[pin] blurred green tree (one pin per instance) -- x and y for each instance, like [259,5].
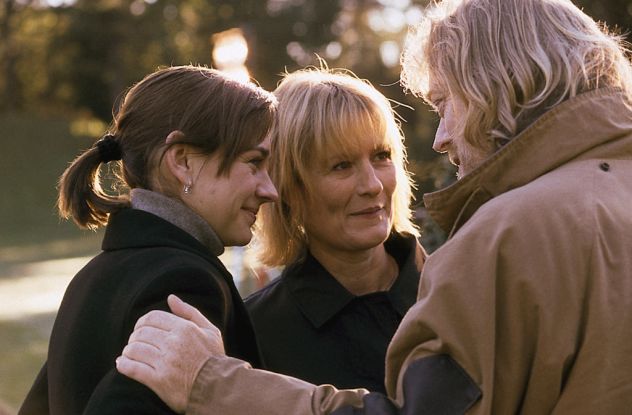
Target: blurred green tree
[76,59]
[9,55]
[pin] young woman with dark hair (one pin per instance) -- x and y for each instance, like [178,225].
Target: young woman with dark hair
[191,145]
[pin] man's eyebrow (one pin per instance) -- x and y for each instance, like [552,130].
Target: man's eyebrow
[433,95]
[435,100]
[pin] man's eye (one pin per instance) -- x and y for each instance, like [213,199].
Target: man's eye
[439,106]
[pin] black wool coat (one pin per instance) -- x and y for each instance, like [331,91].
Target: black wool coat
[310,327]
[144,259]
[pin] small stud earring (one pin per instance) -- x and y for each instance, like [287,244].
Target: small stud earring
[187,188]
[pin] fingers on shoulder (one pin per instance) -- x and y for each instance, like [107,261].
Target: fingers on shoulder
[137,370]
[157,319]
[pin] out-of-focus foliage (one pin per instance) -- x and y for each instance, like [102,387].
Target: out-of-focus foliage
[74,58]
[79,57]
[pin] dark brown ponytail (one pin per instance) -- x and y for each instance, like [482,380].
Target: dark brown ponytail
[81,196]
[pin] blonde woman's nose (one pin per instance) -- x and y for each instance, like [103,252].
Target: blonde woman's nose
[369,181]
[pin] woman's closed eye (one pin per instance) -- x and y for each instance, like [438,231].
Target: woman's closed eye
[256,164]
[257,158]
[256,161]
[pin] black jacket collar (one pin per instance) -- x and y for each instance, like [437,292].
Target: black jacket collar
[132,228]
[320,296]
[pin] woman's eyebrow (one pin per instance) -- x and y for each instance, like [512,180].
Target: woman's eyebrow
[264,151]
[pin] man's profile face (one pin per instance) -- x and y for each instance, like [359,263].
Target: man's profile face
[449,137]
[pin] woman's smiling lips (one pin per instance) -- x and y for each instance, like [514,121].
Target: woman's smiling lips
[369,212]
[252,212]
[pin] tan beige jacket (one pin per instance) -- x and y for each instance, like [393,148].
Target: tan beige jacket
[526,309]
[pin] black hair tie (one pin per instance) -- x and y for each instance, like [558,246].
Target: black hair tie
[109,148]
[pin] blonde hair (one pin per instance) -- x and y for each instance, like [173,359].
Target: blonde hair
[320,110]
[511,60]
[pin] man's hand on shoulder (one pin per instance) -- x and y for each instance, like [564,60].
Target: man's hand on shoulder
[166,351]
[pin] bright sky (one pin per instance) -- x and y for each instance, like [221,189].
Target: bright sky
[57,3]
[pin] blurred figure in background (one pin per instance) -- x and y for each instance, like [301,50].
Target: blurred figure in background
[341,228]
[193,147]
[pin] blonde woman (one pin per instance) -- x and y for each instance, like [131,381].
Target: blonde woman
[342,230]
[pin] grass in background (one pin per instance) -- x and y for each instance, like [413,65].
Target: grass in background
[35,152]
[23,344]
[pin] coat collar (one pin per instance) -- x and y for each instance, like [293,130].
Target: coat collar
[133,228]
[320,296]
[174,211]
[566,132]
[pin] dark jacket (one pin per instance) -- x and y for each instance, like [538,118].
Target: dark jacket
[144,259]
[310,327]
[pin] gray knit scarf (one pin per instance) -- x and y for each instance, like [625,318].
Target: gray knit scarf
[177,213]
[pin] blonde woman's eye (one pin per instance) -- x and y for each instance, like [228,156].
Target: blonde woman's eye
[383,155]
[342,165]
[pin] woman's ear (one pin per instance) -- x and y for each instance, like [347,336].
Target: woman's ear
[174,137]
[177,159]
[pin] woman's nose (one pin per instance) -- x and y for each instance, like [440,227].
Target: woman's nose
[369,182]
[266,190]
[442,138]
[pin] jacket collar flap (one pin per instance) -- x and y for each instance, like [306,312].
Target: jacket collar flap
[320,296]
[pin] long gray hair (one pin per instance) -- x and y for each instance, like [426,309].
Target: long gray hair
[511,60]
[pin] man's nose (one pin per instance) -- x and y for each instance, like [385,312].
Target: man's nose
[442,138]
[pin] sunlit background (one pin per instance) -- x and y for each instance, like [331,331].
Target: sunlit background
[230,51]
[64,63]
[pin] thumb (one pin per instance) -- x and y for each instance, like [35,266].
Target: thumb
[187,312]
